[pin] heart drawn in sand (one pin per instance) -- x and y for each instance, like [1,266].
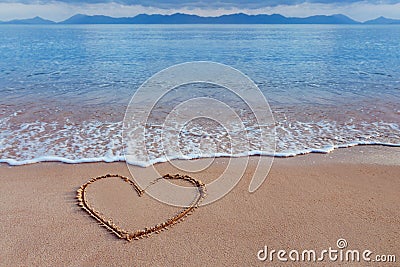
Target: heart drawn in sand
[147,231]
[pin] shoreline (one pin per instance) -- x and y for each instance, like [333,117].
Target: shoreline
[115,159]
[306,202]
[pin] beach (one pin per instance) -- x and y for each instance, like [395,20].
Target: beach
[79,102]
[306,202]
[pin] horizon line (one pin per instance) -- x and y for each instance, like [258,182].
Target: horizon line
[195,15]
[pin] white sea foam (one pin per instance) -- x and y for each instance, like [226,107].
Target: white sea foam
[95,141]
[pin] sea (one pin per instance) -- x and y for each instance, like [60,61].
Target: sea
[65,90]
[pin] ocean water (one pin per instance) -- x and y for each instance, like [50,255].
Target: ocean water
[64,89]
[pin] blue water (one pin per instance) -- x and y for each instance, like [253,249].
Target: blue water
[64,89]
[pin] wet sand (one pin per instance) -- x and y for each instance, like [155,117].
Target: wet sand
[307,202]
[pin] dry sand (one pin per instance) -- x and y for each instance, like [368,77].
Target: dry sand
[307,202]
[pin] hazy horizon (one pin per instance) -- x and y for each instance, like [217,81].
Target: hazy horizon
[84,14]
[60,10]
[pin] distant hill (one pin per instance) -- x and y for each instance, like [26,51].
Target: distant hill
[322,19]
[180,18]
[97,19]
[35,20]
[383,20]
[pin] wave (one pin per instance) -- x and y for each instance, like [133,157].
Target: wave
[106,159]
[70,142]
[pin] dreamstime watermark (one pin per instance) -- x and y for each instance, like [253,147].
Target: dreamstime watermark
[198,110]
[340,253]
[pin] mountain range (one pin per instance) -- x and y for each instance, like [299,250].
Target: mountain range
[180,18]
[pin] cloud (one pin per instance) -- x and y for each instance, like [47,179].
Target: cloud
[203,4]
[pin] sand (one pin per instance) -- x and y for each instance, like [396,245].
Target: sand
[307,202]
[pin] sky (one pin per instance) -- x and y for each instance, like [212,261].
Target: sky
[59,10]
